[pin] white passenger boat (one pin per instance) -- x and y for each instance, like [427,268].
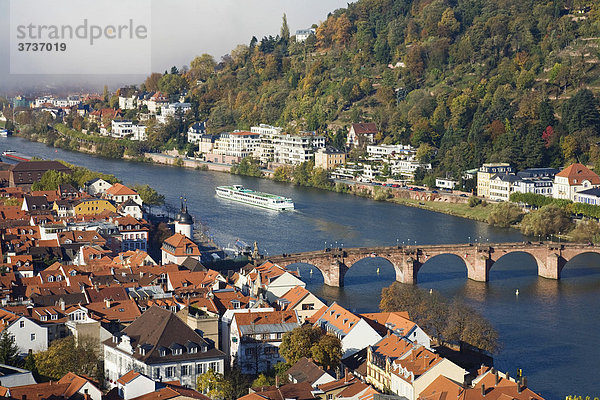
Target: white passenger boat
[259,199]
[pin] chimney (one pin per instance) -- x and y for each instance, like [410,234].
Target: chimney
[524,382]
[497,377]
[508,376]
[483,390]
[519,387]
[107,303]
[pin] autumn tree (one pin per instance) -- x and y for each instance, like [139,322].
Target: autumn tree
[505,214]
[81,356]
[212,384]
[202,67]
[433,313]
[151,82]
[550,219]
[306,341]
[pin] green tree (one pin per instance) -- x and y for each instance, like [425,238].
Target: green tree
[249,166]
[285,30]
[9,351]
[149,195]
[505,214]
[51,179]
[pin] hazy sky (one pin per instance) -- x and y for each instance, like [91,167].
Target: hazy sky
[181,30]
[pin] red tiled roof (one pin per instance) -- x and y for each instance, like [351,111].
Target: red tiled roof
[577,173]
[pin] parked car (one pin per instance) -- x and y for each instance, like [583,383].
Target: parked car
[463,195]
[434,191]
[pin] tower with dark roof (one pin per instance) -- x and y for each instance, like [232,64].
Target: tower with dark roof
[184,223]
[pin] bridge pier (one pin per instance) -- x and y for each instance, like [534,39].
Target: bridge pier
[407,271]
[334,275]
[552,267]
[479,268]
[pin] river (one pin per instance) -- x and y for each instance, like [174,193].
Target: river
[548,330]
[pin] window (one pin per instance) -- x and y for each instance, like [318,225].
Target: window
[200,369]
[185,370]
[157,373]
[214,366]
[22,324]
[32,337]
[169,372]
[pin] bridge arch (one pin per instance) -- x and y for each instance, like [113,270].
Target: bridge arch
[540,262]
[574,257]
[428,259]
[308,269]
[371,268]
[352,260]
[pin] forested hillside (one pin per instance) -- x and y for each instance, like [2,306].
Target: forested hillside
[479,80]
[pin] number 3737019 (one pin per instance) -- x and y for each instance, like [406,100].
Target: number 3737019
[41,46]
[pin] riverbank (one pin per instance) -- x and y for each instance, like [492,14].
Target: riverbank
[436,202]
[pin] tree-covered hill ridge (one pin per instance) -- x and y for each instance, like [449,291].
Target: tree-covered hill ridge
[480,80]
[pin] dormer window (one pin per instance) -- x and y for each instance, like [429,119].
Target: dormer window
[43,318]
[54,317]
[59,278]
[50,278]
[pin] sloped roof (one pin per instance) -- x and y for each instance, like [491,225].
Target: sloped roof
[577,173]
[119,189]
[158,328]
[266,322]
[297,391]
[304,370]
[365,128]
[294,296]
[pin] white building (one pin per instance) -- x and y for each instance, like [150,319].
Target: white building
[385,151]
[161,346]
[156,102]
[127,129]
[237,144]
[543,186]
[128,102]
[407,167]
[296,149]
[264,129]
[303,34]
[354,331]
[255,338]
[171,110]
[445,183]
[590,196]
[195,132]
[575,178]
[28,335]
[501,186]
[97,186]
[265,151]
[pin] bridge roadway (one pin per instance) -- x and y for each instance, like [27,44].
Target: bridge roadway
[550,257]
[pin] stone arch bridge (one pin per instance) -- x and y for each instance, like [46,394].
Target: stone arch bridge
[407,260]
